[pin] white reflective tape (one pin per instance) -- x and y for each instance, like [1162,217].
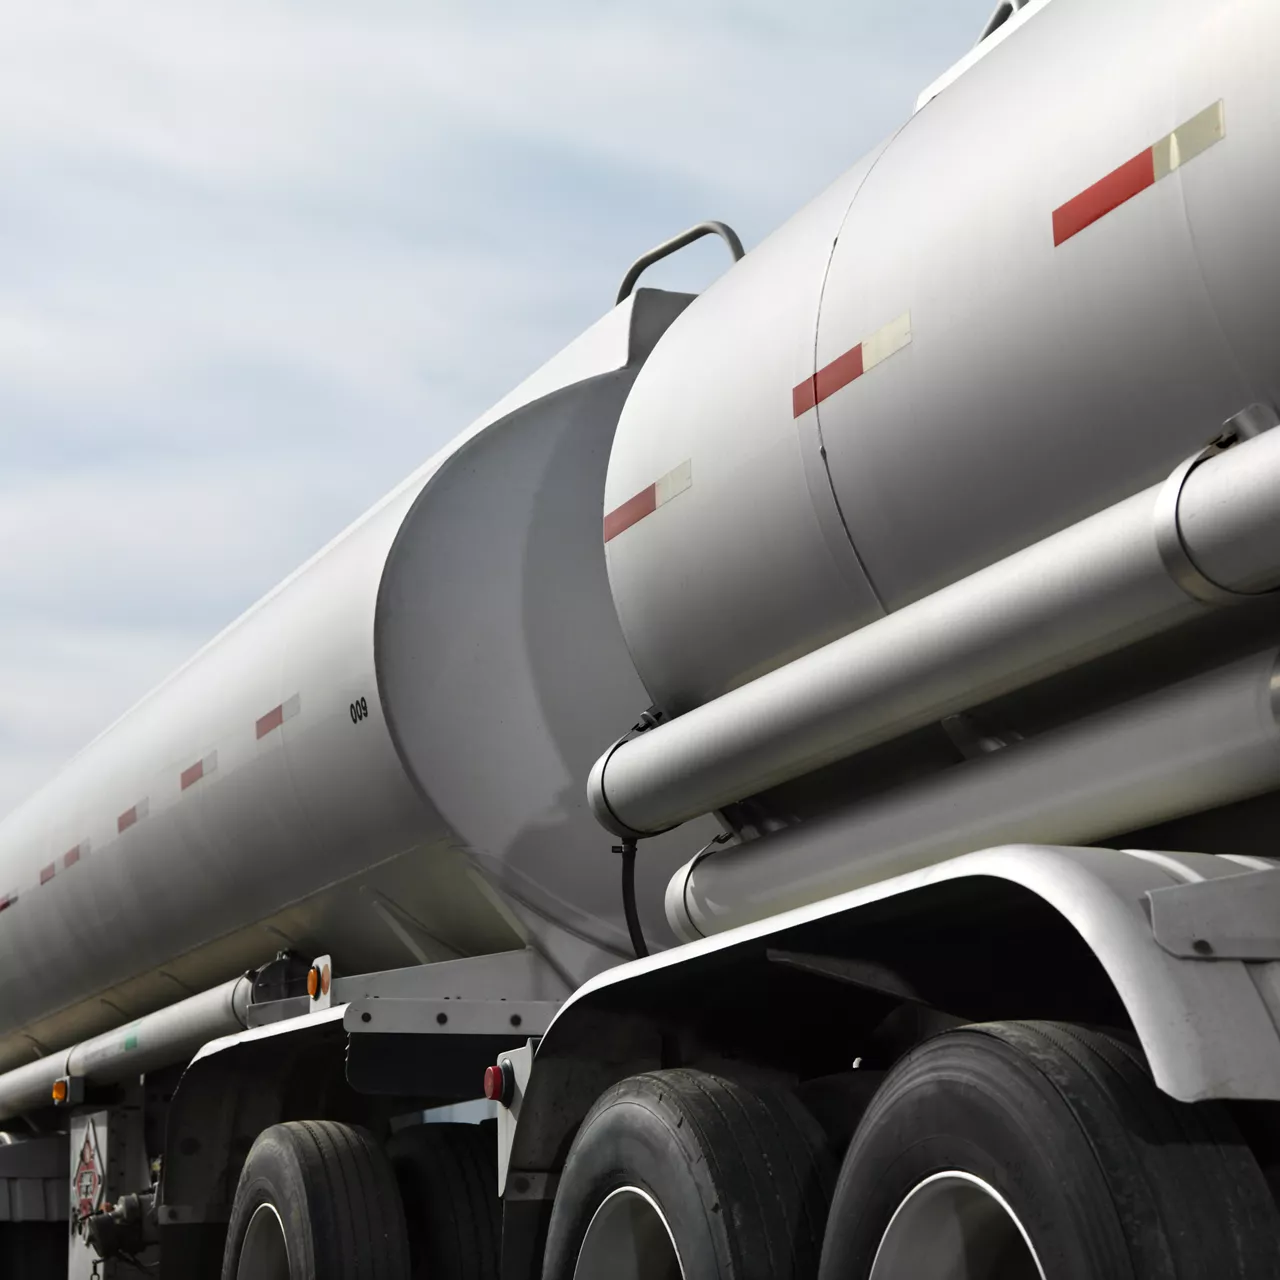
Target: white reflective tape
[291,707]
[884,342]
[673,483]
[1188,140]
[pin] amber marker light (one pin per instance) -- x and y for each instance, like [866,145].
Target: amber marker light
[313,983]
[59,1091]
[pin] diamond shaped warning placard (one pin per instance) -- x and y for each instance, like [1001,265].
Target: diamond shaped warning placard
[86,1176]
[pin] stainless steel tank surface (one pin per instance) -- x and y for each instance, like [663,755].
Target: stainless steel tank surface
[384,759]
[1034,300]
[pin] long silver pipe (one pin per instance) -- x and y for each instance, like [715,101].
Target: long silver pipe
[157,1040]
[1135,569]
[1207,741]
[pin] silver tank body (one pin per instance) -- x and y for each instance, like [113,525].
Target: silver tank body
[384,759]
[1034,300]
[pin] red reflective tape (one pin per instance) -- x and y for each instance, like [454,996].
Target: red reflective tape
[193,775]
[888,340]
[645,503]
[827,381]
[127,819]
[803,397]
[272,720]
[839,373]
[48,873]
[71,857]
[7,902]
[1119,186]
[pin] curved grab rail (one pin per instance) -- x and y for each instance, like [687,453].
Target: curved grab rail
[668,247]
[1003,12]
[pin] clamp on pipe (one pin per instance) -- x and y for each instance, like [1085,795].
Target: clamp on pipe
[596,796]
[1174,553]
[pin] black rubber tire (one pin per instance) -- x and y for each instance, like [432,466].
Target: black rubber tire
[1111,1179]
[448,1176]
[742,1176]
[336,1196]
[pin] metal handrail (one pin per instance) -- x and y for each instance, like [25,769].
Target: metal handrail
[1003,12]
[668,247]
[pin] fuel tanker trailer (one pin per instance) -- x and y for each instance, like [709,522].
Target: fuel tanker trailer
[790,792]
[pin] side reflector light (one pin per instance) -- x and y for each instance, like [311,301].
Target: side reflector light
[499,1084]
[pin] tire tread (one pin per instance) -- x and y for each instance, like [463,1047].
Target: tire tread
[358,1230]
[448,1175]
[1123,1180]
[1203,1159]
[768,1172]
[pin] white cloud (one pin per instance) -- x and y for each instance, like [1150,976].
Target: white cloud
[257,260]
[66,680]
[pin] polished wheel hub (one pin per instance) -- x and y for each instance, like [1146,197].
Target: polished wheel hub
[954,1226]
[264,1254]
[628,1239]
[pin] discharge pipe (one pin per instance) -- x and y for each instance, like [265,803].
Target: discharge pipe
[1209,535]
[169,1035]
[1207,741]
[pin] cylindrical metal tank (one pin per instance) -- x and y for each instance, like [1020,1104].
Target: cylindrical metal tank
[1032,302]
[1132,571]
[385,759]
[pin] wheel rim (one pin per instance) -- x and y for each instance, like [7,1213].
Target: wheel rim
[628,1238]
[954,1226]
[264,1254]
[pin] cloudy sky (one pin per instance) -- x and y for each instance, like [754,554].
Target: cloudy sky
[258,260]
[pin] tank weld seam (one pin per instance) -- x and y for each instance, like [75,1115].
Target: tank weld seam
[817,327]
[853,364]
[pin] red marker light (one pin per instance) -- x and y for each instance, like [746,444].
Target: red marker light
[498,1084]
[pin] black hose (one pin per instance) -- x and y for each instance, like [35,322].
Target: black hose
[628,851]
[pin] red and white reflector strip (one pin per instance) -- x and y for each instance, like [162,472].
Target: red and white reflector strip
[1133,177]
[68,860]
[131,817]
[851,366]
[7,900]
[201,769]
[278,715]
[648,500]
